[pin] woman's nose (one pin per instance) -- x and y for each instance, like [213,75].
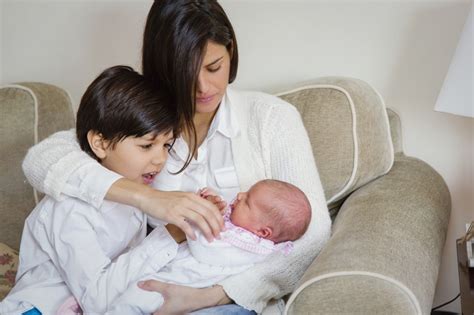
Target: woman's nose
[203,83]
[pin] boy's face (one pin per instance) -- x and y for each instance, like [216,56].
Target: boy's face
[138,158]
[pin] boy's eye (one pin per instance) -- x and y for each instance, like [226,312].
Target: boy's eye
[214,69]
[169,146]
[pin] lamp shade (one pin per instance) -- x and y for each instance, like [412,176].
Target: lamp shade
[457,93]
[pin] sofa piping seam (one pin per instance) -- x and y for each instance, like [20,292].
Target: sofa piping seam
[35,137]
[392,150]
[354,133]
[397,283]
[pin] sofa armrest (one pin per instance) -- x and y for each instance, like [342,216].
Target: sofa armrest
[385,251]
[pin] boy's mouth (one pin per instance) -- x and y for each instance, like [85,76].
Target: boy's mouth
[149,177]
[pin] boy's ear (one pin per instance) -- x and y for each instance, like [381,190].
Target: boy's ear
[265,232]
[98,144]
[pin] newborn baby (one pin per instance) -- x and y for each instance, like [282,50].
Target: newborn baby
[263,220]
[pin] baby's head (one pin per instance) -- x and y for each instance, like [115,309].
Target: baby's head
[127,124]
[272,209]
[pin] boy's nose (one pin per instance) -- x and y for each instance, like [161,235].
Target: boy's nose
[159,158]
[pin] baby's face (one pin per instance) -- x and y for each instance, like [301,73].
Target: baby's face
[247,209]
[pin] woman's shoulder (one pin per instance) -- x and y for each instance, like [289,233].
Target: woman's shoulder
[255,98]
[258,104]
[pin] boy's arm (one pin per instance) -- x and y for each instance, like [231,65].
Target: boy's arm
[58,167]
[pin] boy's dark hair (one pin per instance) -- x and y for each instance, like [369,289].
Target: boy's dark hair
[121,103]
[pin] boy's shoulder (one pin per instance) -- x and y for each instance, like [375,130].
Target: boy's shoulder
[49,208]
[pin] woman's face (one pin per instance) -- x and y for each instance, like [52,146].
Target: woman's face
[213,78]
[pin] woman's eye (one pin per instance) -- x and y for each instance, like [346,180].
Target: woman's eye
[146,146]
[214,69]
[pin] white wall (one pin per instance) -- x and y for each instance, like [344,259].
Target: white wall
[1,42]
[403,48]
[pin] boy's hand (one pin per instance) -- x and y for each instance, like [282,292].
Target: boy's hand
[211,195]
[175,207]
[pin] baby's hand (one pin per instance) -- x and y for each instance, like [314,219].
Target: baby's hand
[211,195]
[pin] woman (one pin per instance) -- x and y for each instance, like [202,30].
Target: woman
[231,140]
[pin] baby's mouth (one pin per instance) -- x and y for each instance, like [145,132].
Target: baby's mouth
[149,177]
[232,204]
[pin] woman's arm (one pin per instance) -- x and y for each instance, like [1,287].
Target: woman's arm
[288,156]
[58,167]
[180,299]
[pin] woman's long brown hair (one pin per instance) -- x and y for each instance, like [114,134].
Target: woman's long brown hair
[174,43]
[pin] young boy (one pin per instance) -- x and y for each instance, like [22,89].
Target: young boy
[69,247]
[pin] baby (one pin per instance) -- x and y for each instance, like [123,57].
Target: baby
[264,220]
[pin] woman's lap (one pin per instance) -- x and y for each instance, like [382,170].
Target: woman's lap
[229,309]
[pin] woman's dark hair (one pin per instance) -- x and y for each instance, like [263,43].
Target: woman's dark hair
[121,103]
[174,42]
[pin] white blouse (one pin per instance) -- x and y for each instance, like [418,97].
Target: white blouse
[214,166]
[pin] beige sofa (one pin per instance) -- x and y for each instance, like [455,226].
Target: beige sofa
[390,211]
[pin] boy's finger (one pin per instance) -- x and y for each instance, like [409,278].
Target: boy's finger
[211,213]
[186,228]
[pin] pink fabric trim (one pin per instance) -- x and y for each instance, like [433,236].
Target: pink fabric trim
[70,307]
[246,240]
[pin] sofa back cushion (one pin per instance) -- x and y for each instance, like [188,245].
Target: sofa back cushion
[348,127]
[29,112]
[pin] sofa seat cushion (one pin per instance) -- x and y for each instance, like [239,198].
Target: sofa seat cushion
[8,268]
[349,130]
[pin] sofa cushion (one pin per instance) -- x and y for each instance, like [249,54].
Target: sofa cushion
[29,112]
[348,127]
[8,268]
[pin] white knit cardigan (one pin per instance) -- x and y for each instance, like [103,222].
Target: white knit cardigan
[272,143]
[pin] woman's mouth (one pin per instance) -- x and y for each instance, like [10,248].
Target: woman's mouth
[204,100]
[149,177]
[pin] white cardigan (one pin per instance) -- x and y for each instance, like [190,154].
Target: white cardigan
[272,143]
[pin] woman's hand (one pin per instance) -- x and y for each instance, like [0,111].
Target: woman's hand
[180,299]
[175,207]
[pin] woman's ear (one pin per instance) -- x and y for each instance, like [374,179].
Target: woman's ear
[98,144]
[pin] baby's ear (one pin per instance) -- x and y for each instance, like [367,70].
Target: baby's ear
[98,144]
[265,232]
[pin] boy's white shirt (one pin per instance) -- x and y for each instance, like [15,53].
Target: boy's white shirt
[271,143]
[69,247]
